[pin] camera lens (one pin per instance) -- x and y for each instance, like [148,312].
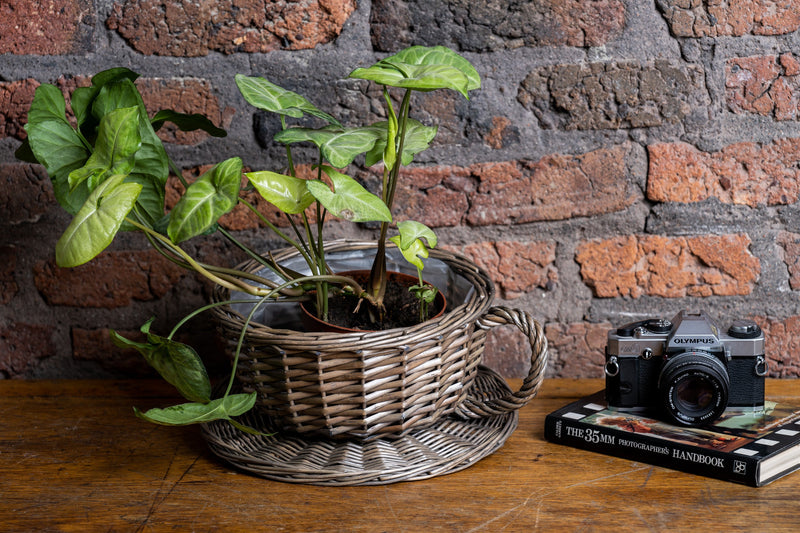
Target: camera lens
[693,388]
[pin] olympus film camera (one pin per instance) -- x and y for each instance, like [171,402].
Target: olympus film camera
[686,368]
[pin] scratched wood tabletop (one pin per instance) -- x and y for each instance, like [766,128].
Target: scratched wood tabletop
[74,458]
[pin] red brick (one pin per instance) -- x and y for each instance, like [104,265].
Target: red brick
[782,345]
[112,279]
[516,267]
[96,345]
[8,273]
[790,245]
[744,173]
[766,85]
[25,192]
[577,350]
[185,95]
[23,346]
[46,27]
[717,18]
[189,29]
[671,267]
[15,99]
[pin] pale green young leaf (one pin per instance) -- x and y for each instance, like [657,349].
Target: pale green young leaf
[263,94]
[287,193]
[195,413]
[411,230]
[212,195]
[418,139]
[338,146]
[414,253]
[349,200]
[97,222]
[423,69]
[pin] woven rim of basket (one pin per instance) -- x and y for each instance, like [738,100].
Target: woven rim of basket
[476,304]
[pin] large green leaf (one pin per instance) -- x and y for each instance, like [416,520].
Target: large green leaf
[176,362]
[349,200]
[418,139]
[56,145]
[194,413]
[265,95]
[339,146]
[211,196]
[187,122]
[151,167]
[97,222]
[83,97]
[117,142]
[423,69]
[287,193]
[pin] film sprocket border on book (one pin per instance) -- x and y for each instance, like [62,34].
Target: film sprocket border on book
[752,448]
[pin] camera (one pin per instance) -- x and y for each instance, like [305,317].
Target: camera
[686,368]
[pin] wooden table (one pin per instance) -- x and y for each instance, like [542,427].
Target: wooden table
[74,458]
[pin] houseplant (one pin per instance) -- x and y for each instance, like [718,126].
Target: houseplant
[110,171]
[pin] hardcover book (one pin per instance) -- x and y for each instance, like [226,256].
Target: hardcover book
[753,448]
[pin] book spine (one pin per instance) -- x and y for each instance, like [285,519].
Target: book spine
[654,451]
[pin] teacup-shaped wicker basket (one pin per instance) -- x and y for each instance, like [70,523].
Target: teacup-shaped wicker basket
[383,383]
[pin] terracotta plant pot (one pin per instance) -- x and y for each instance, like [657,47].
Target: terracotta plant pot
[313,323]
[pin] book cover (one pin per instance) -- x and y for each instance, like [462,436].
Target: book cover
[753,448]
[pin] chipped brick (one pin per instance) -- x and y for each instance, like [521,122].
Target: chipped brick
[718,18]
[46,27]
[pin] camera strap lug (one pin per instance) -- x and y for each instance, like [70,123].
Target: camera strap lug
[612,366]
[762,368]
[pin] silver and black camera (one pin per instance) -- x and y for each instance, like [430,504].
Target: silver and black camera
[686,368]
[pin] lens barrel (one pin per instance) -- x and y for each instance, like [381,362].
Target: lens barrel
[693,388]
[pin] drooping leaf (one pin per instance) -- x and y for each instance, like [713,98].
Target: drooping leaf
[263,94]
[339,146]
[211,196]
[349,200]
[390,137]
[117,142]
[287,193]
[187,122]
[194,413]
[418,138]
[176,362]
[97,222]
[423,69]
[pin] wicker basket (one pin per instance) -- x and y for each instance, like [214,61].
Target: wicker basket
[383,383]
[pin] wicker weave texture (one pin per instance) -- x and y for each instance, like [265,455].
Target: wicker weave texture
[372,384]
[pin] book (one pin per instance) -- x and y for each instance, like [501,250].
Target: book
[748,447]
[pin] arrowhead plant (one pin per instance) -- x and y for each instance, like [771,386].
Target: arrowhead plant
[109,170]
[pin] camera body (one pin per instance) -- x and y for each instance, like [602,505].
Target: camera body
[687,367]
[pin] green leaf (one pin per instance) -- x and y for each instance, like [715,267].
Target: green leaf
[195,413]
[176,362]
[151,167]
[390,137]
[349,200]
[211,196]
[287,193]
[265,95]
[338,146]
[117,142]
[423,69]
[48,104]
[186,122]
[414,253]
[418,138]
[97,222]
[411,230]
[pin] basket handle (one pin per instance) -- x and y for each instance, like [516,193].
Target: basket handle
[473,407]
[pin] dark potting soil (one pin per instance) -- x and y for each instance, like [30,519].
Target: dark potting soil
[402,310]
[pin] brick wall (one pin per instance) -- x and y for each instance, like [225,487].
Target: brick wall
[624,159]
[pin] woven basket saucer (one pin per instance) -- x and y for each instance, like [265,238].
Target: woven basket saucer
[449,445]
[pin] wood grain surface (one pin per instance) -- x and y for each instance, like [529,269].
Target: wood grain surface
[74,458]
